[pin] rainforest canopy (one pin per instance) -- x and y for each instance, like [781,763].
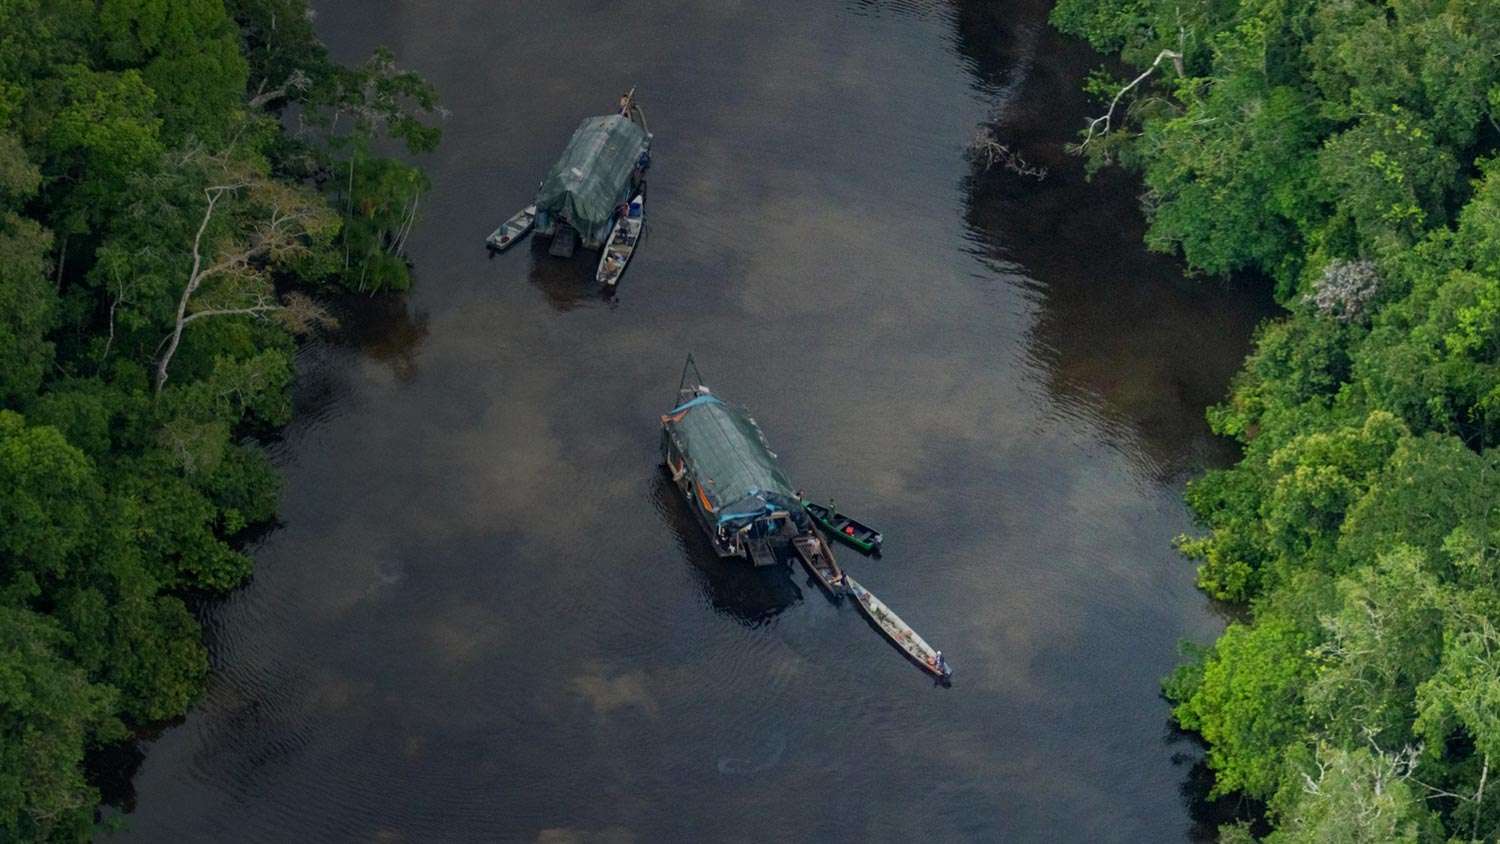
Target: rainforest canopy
[593,175]
[726,454]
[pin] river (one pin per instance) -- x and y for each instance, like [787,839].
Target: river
[485,615]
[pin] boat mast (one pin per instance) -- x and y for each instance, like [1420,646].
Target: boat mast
[682,387]
[631,111]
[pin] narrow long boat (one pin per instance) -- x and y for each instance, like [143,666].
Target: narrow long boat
[622,242]
[817,558]
[861,537]
[899,632]
[512,230]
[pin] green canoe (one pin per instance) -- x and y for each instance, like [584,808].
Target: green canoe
[854,534]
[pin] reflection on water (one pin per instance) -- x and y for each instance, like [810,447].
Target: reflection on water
[750,595]
[384,329]
[567,283]
[1109,332]
[485,614]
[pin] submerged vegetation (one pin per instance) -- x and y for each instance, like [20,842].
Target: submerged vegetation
[164,233]
[1346,152]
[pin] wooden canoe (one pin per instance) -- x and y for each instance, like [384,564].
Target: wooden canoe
[817,558]
[899,632]
[859,536]
[622,242]
[512,230]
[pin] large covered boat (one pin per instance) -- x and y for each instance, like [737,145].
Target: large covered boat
[719,459]
[602,167]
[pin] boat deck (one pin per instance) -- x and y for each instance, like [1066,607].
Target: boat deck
[818,559]
[900,634]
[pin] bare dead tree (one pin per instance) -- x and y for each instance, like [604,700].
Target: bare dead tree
[987,149]
[115,301]
[237,269]
[302,314]
[1363,787]
[399,246]
[1102,124]
[295,82]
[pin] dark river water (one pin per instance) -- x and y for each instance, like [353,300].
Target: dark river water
[486,615]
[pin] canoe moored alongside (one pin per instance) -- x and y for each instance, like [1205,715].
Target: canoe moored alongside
[899,632]
[512,230]
[817,558]
[861,537]
[622,242]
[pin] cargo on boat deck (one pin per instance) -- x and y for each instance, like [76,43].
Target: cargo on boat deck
[719,458]
[598,171]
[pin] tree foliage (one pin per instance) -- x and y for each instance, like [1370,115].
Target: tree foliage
[162,238]
[1344,150]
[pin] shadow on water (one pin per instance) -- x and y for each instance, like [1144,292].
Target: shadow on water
[384,329]
[111,769]
[1108,333]
[1107,338]
[752,596]
[567,283]
[1206,812]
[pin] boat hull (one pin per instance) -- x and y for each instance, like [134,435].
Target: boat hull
[817,558]
[513,230]
[899,633]
[620,247]
[725,545]
[865,540]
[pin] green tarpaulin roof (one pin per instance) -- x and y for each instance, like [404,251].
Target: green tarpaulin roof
[590,178]
[728,457]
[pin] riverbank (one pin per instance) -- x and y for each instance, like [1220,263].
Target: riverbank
[1358,528]
[163,241]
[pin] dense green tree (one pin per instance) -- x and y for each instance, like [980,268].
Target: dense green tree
[1460,716]
[49,713]
[1358,796]
[189,54]
[51,502]
[1246,700]
[28,307]
[105,130]
[1383,640]
[1294,132]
